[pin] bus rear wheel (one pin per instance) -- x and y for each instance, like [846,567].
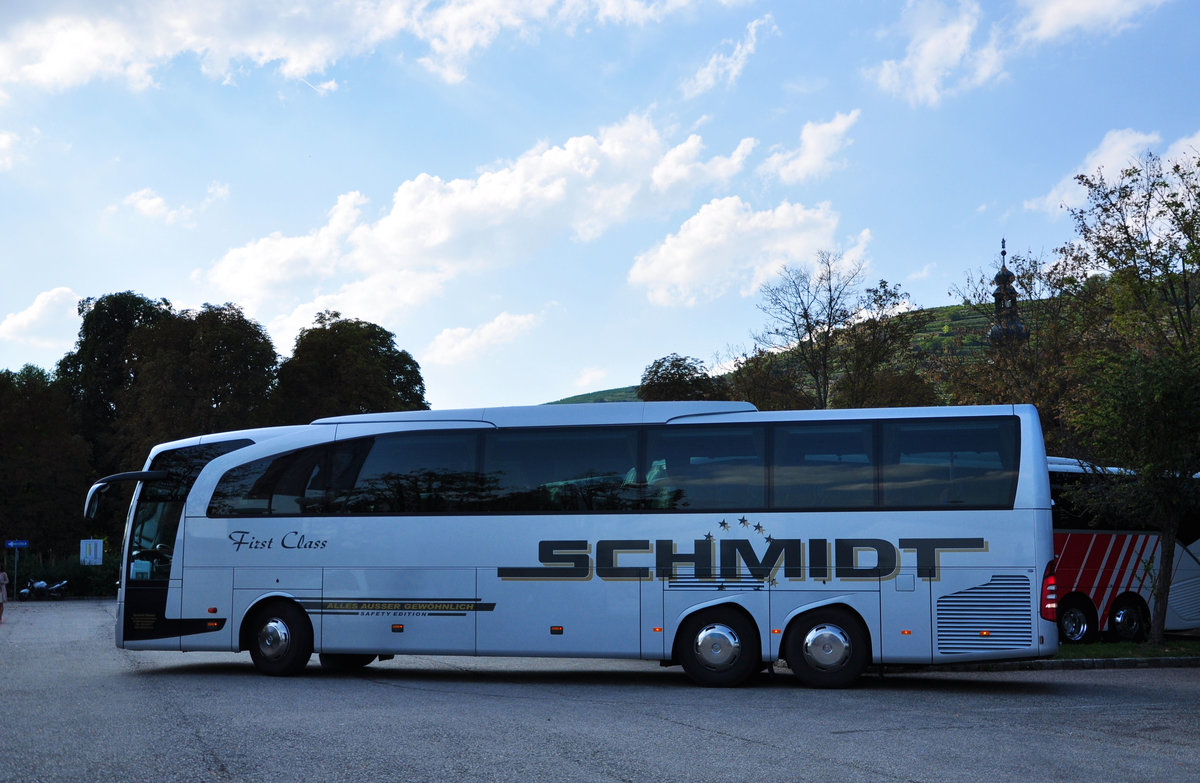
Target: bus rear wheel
[1130,619]
[827,648]
[719,647]
[280,639]
[1075,621]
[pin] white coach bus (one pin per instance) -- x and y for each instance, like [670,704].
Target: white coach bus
[703,534]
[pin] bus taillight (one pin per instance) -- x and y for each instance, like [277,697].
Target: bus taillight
[1049,594]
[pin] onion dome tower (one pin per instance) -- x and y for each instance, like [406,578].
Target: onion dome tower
[1008,327]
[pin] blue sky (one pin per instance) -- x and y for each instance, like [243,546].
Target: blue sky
[541,197]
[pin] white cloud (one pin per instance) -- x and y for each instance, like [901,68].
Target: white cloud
[1187,147]
[819,143]
[682,164]
[50,322]
[726,68]
[923,273]
[255,270]
[147,203]
[947,54]
[1049,19]
[590,378]
[1118,149]
[727,244]
[436,230]
[454,346]
[59,44]
[940,58]
[8,142]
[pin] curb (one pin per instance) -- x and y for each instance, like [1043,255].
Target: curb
[1074,664]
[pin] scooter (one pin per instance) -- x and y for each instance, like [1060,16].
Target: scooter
[38,590]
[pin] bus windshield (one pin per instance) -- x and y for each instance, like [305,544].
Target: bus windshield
[159,506]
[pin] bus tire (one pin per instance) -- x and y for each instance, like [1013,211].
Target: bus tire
[827,647]
[719,647]
[345,661]
[1130,619]
[280,639]
[1076,621]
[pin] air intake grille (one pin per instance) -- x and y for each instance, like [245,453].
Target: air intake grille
[996,616]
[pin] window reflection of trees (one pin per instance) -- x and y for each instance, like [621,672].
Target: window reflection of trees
[417,491]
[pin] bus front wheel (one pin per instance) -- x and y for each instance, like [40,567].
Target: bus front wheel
[827,648]
[719,647]
[280,639]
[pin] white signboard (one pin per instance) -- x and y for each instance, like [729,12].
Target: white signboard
[91,551]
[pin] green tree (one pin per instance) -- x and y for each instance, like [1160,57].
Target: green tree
[805,312]
[199,371]
[44,465]
[676,377]
[104,364]
[768,380]
[840,344]
[879,365]
[343,366]
[1137,403]
[1064,311]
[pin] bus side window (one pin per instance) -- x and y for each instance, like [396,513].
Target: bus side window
[560,470]
[824,466]
[715,468]
[415,473]
[944,463]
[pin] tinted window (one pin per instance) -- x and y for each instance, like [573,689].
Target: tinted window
[314,480]
[947,463]
[416,473]
[561,470]
[160,506]
[824,466]
[706,468]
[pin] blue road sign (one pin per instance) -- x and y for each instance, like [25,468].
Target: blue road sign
[16,544]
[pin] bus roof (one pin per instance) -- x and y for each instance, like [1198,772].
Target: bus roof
[609,413]
[551,415]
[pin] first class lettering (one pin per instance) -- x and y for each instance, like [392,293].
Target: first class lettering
[293,539]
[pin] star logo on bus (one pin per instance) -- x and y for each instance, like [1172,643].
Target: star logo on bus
[723,525]
[744,522]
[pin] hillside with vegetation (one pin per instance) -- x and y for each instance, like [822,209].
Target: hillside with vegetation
[949,328]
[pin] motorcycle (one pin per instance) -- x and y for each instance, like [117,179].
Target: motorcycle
[38,590]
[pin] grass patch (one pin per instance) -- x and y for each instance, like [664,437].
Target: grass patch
[1172,647]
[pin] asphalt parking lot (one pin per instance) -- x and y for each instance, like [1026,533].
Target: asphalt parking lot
[77,708]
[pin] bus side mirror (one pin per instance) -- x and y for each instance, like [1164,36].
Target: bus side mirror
[92,505]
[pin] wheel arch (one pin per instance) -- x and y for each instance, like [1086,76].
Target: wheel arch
[709,606]
[796,620]
[245,626]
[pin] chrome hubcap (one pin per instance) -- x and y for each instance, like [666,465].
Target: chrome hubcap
[827,647]
[718,646]
[274,638]
[1074,624]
